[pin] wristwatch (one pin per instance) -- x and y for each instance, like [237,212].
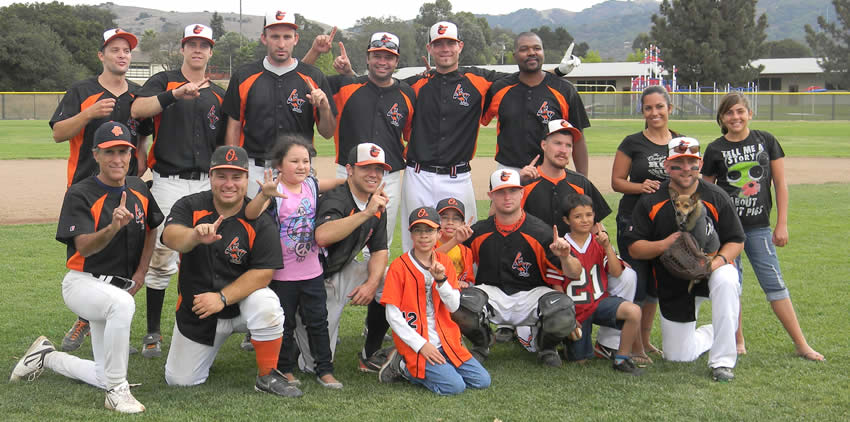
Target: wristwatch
[223,298]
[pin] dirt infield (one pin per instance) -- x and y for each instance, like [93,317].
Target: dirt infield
[32,190]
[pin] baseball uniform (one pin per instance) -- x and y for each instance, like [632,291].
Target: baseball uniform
[542,197]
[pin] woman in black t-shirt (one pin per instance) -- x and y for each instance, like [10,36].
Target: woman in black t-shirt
[638,169]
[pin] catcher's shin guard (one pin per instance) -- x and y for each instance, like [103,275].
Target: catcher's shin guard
[557,319]
[472,319]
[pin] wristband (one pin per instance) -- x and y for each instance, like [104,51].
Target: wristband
[166,99]
[223,298]
[725,261]
[558,71]
[441,281]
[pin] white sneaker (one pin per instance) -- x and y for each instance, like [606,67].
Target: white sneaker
[32,364]
[120,400]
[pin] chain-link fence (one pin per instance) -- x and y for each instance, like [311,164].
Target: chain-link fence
[600,105]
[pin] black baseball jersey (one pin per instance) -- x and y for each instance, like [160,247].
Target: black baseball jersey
[244,245]
[448,108]
[88,208]
[647,163]
[743,171]
[339,203]
[542,197]
[515,258]
[524,111]
[268,105]
[654,219]
[187,131]
[82,95]
[368,112]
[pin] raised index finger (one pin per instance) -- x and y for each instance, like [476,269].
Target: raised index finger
[123,199]
[555,235]
[342,52]
[570,49]
[218,223]
[534,161]
[333,33]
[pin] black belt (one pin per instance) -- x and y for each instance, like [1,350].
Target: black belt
[187,175]
[259,162]
[453,171]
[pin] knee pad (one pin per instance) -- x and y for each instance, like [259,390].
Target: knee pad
[557,318]
[472,318]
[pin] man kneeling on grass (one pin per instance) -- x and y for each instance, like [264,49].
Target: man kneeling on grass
[420,293]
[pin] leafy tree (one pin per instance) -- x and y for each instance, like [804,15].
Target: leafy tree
[832,45]
[25,65]
[231,51]
[710,40]
[786,48]
[592,56]
[217,26]
[79,28]
[635,56]
[429,14]
[163,48]
[641,41]
[410,51]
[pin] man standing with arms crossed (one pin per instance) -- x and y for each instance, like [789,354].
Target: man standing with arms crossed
[276,95]
[85,107]
[186,109]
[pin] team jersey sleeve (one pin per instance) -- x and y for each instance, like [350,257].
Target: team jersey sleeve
[68,107]
[329,209]
[230,105]
[154,86]
[600,205]
[75,218]
[577,115]
[329,93]
[181,213]
[378,241]
[266,252]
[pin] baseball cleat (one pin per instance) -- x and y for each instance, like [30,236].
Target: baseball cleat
[627,366]
[246,344]
[722,374]
[121,400]
[504,335]
[391,369]
[152,346]
[549,358]
[603,352]
[32,364]
[76,335]
[373,363]
[276,383]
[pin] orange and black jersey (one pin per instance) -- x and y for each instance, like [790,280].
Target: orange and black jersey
[368,112]
[244,245]
[268,105]
[339,203]
[524,111]
[515,258]
[654,218]
[82,95]
[448,108]
[542,197]
[88,208]
[187,131]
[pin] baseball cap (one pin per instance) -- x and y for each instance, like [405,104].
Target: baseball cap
[561,125]
[425,215]
[114,33]
[504,178]
[443,30]
[279,17]
[384,41]
[451,203]
[112,134]
[198,30]
[229,157]
[368,153]
[682,147]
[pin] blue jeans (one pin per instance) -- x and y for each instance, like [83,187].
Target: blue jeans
[762,255]
[447,380]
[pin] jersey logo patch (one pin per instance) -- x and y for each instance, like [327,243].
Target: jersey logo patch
[133,125]
[520,265]
[544,113]
[461,96]
[140,216]
[233,252]
[212,117]
[394,115]
[295,101]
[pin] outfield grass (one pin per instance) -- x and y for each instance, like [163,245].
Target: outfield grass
[22,139]
[770,381]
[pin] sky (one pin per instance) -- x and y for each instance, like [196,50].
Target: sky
[343,13]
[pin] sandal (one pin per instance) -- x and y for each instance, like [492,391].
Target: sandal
[641,360]
[652,350]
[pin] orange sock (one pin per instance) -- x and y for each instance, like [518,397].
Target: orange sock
[267,353]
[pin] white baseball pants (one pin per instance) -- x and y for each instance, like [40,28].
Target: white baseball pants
[426,189]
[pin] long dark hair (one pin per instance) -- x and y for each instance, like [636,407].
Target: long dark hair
[726,103]
[654,89]
[285,142]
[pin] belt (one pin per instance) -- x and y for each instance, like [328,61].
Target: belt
[117,281]
[187,175]
[259,162]
[453,171]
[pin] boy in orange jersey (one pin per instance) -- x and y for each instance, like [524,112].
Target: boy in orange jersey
[452,216]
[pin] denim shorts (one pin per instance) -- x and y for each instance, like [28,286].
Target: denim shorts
[762,255]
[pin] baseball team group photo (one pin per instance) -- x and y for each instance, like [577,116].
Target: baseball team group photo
[322,234]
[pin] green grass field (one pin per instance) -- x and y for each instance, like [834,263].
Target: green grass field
[770,381]
[21,139]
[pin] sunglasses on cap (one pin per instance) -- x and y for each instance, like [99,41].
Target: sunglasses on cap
[683,148]
[384,43]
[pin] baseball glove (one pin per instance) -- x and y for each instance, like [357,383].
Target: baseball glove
[684,259]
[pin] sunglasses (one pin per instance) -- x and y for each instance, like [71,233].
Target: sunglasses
[684,148]
[384,44]
[679,168]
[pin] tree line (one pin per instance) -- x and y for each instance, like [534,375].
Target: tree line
[48,46]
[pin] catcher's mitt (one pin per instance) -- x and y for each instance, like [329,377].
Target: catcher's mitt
[684,259]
